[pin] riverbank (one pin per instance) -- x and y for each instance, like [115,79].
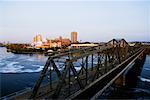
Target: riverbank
[23,49]
[28,49]
[2,45]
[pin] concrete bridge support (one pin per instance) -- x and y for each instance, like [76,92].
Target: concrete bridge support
[129,77]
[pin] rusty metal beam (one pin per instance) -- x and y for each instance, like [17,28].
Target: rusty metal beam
[83,53]
[38,83]
[117,76]
[102,81]
[76,76]
[86,74]
[61,81]
[87,54]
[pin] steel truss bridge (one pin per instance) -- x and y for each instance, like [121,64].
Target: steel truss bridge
[82,73]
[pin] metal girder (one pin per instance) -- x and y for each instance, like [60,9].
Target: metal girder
[97,68]
[67,68]
[58,55]
[76,76]
[90,70]
[55,68]
[61,81]
[86,74]
[84,52]
[82,67]
[38,83]
[99,85]
[92,61]
[50,78]
[135,56]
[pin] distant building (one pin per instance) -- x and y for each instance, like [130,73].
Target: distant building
[132,44]
[54,43]
[83,45]
[37,41]
[64,41]
[38,38]
[74,37]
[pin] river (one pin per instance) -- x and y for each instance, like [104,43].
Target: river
[19,71]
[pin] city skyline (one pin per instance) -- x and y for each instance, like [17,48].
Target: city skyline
[95,21]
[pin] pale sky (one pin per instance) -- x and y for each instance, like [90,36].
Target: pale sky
[94,21]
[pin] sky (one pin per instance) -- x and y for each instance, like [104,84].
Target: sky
[95,21]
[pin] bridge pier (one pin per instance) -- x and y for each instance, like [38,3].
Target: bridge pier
[129,77]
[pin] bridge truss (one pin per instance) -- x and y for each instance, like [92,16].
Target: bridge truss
[72,71]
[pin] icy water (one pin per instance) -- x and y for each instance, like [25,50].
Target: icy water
[143,85]
[19,71]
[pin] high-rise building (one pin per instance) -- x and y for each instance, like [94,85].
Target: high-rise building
[74,37]
[37,41]
[37,38]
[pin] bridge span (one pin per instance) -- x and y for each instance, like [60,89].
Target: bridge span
[83,73]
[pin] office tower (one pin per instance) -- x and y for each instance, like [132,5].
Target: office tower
[73,37]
